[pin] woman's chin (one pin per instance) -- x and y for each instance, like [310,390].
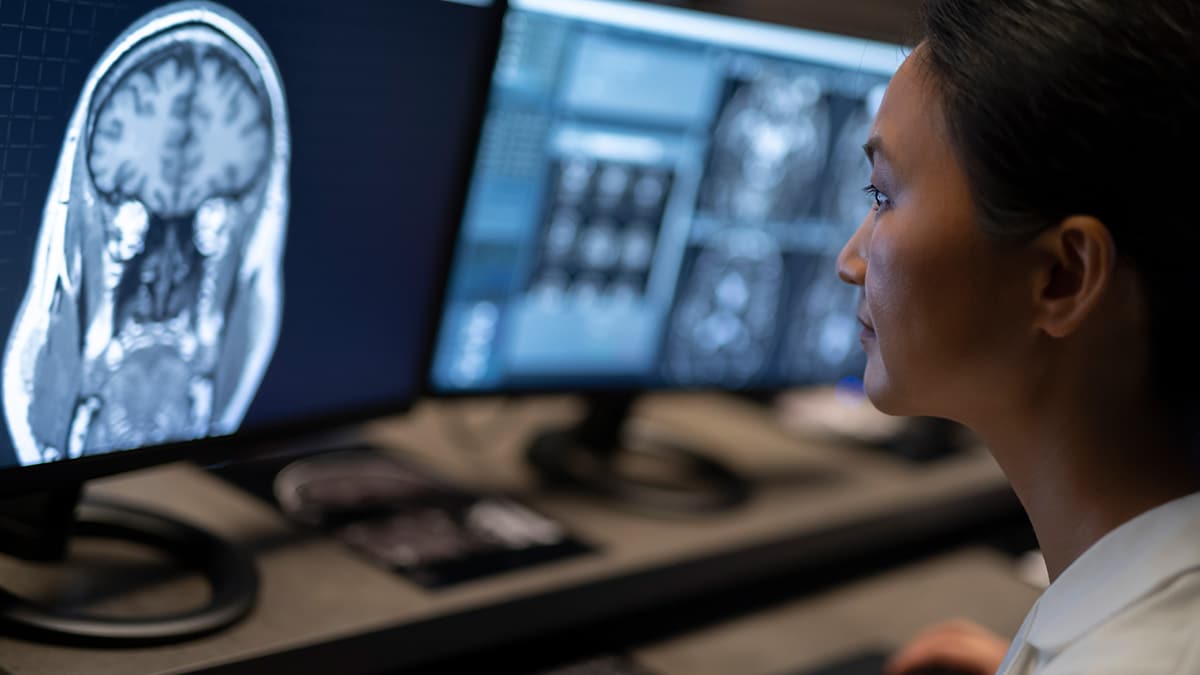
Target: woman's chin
[879,390]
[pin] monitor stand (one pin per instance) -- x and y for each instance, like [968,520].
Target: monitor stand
[650,476]
[38,527]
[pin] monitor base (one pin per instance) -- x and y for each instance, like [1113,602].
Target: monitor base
[229,570]
[592,458]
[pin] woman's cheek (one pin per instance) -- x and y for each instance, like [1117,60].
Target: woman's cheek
[883,281]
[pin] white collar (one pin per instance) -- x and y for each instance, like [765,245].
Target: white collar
[1122,567]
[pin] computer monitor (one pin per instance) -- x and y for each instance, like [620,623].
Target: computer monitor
[657,203]
[220,220]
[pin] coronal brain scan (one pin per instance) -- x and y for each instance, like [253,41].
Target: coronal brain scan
[689,245]
[154,302]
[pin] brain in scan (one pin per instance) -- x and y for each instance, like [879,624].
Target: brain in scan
[723,327]
[851,170]
[154,302]
[768,149]
[822,340]
[181,128]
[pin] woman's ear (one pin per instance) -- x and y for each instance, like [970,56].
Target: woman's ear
[1076,261]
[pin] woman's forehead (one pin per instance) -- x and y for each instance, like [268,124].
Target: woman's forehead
[908,129]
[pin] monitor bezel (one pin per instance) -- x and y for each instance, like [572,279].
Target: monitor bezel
[596,388]
[19,479]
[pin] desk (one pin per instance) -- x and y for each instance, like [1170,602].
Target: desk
[884,611]
[323,609]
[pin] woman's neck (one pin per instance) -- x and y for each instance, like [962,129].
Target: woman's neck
[1083,471]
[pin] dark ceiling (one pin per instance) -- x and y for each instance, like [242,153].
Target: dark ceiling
[888,20]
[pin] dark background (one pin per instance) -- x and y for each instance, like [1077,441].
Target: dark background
[886,20]
[381,94]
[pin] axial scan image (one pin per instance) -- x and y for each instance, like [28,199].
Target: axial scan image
[821,342]
[851,170]
[768,150]
[600,231]
[154,302]
[723,328]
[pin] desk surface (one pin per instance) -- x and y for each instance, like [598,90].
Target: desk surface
[885,612]
[321,607]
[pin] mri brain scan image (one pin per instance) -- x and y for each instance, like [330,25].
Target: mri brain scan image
[154,302]
[600,231]
[723,327]
[851,169]
[769,149]
[822,339]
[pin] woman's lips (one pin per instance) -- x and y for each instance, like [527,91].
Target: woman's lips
[868,331]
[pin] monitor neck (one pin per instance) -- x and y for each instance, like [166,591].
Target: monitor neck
[592,456]
[601,429]
[38,525]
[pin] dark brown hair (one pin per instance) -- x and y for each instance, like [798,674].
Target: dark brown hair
[1086,107]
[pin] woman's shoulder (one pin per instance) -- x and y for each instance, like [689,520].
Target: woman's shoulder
[1159,634]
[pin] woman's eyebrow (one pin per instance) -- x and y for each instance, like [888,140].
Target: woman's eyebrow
[874,147]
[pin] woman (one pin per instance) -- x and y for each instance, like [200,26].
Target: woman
[1026,272]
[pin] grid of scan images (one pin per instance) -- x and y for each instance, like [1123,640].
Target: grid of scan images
[601,228]
[661,204]
[757,295]
[782,190]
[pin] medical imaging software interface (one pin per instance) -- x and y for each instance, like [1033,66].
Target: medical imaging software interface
[219,215]
[658,200]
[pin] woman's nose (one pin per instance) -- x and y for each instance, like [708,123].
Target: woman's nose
[851,264]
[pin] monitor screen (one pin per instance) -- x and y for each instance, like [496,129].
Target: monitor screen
[224,216]
[658,200]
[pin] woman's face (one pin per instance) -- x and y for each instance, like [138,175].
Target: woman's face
[942,303]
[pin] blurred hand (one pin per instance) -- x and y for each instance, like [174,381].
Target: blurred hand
[958,645]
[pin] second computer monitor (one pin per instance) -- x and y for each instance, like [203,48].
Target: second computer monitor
[658,200]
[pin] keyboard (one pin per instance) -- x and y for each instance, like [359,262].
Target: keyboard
[867,663]
[602,665]
[864,663]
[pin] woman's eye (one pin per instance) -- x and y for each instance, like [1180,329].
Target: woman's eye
[878,199]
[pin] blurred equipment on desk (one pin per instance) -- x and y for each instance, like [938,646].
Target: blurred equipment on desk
[842,414]
[865,663]
[873,663]
[398,514]
[611,664]
[658,200]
